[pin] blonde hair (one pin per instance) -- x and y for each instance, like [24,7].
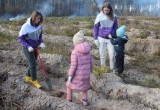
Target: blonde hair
[34,15]
[108,5]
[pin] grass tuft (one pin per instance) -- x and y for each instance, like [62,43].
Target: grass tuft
[98,71]
[151,83]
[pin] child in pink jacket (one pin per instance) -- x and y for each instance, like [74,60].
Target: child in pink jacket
[80,68]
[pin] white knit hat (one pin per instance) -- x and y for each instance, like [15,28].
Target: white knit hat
[79,37]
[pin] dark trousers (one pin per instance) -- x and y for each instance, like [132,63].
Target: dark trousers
[119,62]
[32,61]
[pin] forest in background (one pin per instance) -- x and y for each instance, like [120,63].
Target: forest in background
[78,7]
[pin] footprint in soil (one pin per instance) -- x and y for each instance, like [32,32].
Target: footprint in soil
[54,93]
[59,94]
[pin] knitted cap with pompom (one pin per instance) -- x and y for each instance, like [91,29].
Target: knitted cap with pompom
[79,37]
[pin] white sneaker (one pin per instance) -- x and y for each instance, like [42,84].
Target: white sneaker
[114,71]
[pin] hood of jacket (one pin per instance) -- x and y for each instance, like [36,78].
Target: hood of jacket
[83,47]
[28,28]
[124,39]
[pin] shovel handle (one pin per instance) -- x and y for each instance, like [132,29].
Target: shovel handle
[41,63]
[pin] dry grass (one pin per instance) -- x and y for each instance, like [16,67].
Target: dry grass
[6,38]
[67,27]
[53,48]
[140,22]
[144,63]
[150,83]
[97,71]
[6,100]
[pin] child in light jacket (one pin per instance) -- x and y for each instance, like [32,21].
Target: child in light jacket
[119,43]
[106,25]
[80,68]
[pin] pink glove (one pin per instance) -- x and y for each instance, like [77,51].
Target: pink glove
[68,83]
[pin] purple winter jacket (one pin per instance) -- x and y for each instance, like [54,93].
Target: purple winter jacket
[80,68]
[30,35]
[104,26]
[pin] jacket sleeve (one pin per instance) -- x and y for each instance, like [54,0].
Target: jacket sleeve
[40,38]
[96,27]
[22,34]
[22,41]
[114,28]
[114,41]
[74,62]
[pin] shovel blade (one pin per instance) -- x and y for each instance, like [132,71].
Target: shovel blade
[48,83]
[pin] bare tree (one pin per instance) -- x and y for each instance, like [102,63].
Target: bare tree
[93,4]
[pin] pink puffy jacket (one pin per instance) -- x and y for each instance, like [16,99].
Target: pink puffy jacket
[80,68]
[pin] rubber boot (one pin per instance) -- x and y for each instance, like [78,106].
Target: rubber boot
[36,84]
[28,79]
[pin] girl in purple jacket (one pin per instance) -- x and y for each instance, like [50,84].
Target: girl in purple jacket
[80,68]
[105,25]
[30,38]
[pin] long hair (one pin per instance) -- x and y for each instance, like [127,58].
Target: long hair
[108,5]
[34,15]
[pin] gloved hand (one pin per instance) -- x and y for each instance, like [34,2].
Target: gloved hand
[30,49]
[68,83]
[97,43]
[42,45]
[110,36]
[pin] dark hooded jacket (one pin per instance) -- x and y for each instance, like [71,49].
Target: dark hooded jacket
[119,43]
